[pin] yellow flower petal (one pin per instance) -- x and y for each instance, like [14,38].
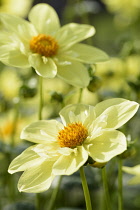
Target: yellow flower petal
[118,111]
[72,33]
[37,178]
[19,26]
[25,160]
[76,113]
[102,106]
[132,170]
[67,165]
[107,145]
[44,18]
[87,54]
[42,132]
[5,37]
[135,171]
[44,67]
[16,7]
[13,57]
[75,74]
[134,180]
[97,126]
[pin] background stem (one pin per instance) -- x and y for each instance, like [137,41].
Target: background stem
[106,191]
[120,194]
[85,189]
[38,196]
[80,95]
[41,98]
[54,194]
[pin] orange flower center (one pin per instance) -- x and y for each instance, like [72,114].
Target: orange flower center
[44,45]
[72,135]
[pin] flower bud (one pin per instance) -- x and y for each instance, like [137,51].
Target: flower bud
[95,84]
[27,92]
[55,96]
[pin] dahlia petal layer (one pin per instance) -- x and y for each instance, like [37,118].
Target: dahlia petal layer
[13,57]
[44,18]
[74,73]
[87,54]
[42,132]
[24,160]
[75,113]
[37,178]
[118,114]
[19,26]
[106,146]
[43,66]
[67,165]
[72,33]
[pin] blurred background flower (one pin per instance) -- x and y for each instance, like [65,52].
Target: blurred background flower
[16,7]
[124,10]
[134,171]
[118,72]
[10,83]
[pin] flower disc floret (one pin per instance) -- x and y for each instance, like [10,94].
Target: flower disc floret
[44,45]
[72,135]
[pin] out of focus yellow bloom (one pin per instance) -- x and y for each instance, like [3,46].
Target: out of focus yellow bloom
[9,83]
[127,10]
[132,67]
[116,72]
[16,7]
[10,128]
[112,74]
[134,171]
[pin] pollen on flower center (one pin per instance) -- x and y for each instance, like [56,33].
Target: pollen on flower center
[72,135]
[44,45]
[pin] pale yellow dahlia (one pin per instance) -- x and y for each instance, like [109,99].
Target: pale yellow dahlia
[50,49]
[134,171]
[62,148]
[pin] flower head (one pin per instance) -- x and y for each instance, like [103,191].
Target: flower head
[62,148]
[135,171]
[50,49]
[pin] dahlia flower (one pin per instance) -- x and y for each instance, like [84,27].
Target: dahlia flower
[61,148]
[50,49]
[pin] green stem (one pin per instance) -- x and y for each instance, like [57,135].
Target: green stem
[80,95]
[38,196]
[9,181]
[85,189]
[106,191]
[54,195]
[41,98]
[120,194]
[38,201]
